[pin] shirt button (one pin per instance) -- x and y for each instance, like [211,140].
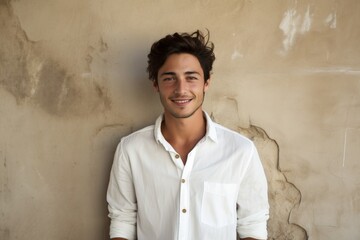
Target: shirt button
[177,156]
[184,210]
[183,180]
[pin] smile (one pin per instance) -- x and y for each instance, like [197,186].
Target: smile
[181,101]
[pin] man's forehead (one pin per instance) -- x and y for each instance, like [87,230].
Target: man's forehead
[181,61]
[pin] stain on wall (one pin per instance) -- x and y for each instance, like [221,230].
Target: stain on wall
[34,77]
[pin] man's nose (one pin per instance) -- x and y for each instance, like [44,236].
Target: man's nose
[180,86]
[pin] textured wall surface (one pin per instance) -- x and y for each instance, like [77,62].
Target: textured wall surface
[73,82]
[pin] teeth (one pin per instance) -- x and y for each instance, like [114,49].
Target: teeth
[182,101]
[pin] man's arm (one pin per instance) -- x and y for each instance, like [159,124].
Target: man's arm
[121,198]
[253,206]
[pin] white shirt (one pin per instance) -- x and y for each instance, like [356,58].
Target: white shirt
[220,190]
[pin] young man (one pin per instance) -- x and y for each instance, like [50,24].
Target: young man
[186,177]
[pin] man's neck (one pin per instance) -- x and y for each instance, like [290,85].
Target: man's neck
[184,133]
[184,129]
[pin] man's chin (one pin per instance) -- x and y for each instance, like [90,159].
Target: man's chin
[183,115]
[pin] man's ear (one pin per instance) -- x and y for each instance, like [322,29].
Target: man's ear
[155,85]
[207,85]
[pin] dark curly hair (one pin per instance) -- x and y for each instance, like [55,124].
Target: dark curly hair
[196,44]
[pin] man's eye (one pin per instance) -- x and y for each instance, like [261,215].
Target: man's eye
[192,78]
[169,79]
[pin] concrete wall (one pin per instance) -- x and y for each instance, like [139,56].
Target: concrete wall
[73,81]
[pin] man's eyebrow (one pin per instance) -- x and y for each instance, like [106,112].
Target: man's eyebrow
[168,73]
[173,73]
[192,72]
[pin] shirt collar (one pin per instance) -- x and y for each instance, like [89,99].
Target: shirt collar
[210,129]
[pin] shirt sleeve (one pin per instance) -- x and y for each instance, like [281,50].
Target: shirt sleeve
[253,206]
[121,198]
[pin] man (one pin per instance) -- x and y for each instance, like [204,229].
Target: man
[186,177]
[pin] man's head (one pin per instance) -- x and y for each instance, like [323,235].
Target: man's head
[195,44]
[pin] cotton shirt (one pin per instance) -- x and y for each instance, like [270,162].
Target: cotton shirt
[220,191]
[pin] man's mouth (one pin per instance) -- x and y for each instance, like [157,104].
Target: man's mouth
[182,101]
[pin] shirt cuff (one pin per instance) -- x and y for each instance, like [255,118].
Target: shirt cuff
[254,226]
[122,230]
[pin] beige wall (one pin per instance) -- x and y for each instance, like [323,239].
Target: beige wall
[73,81]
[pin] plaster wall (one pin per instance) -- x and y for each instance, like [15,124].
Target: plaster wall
[73,82]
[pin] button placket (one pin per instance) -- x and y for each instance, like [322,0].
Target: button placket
[185,211]
[184,192]
[184,207]
[177,160]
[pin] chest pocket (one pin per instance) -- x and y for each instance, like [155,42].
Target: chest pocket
[219,204]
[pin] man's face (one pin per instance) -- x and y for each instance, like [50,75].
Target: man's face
[181,85]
